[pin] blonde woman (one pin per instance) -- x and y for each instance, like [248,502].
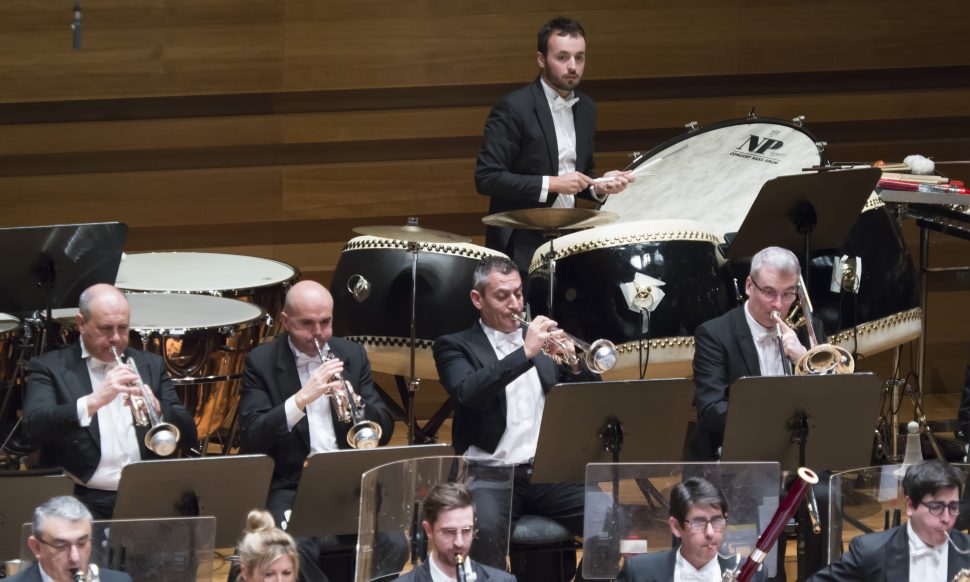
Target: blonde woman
[266,553]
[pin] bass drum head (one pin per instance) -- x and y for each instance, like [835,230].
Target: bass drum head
[594,265]
[371,288]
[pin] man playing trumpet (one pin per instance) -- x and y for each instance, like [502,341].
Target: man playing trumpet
[497,376]
[78,406]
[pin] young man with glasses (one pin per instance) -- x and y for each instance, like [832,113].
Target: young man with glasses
[919,549]
[449,524]
[61,542]
[743,342]
[698,517]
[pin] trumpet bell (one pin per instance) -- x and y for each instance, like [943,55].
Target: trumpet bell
[162,439]
[365,435]
[825,359]
[601,356]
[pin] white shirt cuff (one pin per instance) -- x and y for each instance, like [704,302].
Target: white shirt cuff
[544,193]
[82,412]
[598,197]
[293,413]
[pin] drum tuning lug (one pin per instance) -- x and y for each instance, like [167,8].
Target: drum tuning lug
[634,155]
[821,145]
[752,114]
[692,126]
[798,121]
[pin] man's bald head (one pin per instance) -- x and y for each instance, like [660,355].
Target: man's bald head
[102,293]
[308,315]
[102,319]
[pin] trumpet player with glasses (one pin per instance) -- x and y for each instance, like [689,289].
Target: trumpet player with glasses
[87,405]
[497,375]
[294,402]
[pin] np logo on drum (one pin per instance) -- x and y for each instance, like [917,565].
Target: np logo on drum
[762,149]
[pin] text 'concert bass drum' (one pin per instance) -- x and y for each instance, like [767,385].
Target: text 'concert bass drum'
[371,289]
[711,176]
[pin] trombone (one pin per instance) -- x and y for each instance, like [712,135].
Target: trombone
[820,359]
[600,356]
[163,437]
[363,434]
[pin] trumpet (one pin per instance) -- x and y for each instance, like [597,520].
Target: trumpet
[600,355]
[820,359]
[163,437]
[92,575]
[363,434]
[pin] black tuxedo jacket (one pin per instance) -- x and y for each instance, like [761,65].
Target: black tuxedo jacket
[269,378]
[659,567]
[57,379]
[724,351]
[423,573]
[884,557]
[32,574]
[519,147]
[475,379]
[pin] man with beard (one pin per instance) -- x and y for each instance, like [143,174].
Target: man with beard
[537,150]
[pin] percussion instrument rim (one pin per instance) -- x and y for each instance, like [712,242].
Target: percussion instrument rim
[371,242]
[235,291]
[181,380]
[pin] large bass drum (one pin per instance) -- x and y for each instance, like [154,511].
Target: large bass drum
[713,176]
[592,265]
[371,288]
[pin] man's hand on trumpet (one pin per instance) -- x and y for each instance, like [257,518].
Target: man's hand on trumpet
[543,336]
[322,382]
[118,380]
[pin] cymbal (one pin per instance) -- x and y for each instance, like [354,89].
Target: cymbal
[550,219]
[412,234]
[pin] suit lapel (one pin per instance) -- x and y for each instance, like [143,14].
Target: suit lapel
[77,380]
[745,342]
[544,116]
[288,381]
[480,346]
[897,556]
[956,561]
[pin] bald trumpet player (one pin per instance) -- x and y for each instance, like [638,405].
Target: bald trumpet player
[286,407]
[498,375]
[80,405]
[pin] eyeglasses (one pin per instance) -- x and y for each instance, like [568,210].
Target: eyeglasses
[700,524]
[936,507]
[450,533]
[770,293]
[61,546]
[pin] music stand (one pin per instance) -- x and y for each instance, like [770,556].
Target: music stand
[328,497]
[20,493]
[224,487]
[62,260]
[793,420]
[594,422]
[805,211]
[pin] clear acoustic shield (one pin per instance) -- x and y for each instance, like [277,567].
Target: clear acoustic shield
[391,539]
[628,509]
[150,550]
[871,499]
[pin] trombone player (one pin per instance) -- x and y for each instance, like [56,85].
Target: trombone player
[79,409]
[286,410]
[497,376]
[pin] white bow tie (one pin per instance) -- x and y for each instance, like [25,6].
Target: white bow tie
[935,553]
[560,104]
[509,341]
[305,360]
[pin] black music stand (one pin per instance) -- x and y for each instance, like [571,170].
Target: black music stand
[328,497]
[61,260]
[813,421]
[593,422]
[805,211]
[20,493]
[224,487]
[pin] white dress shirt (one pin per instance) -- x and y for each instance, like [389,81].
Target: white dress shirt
[926,563]
[524,403]
[322,436]
[766,342]
[684,571]
[562,119]
[116,429]
[438,575]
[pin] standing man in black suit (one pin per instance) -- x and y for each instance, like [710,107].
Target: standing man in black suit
[61,543]
[537,150]
[698,516]
[918,550]
[76,407]
[449,524]
[285,409]
[497,377]
[743,342]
